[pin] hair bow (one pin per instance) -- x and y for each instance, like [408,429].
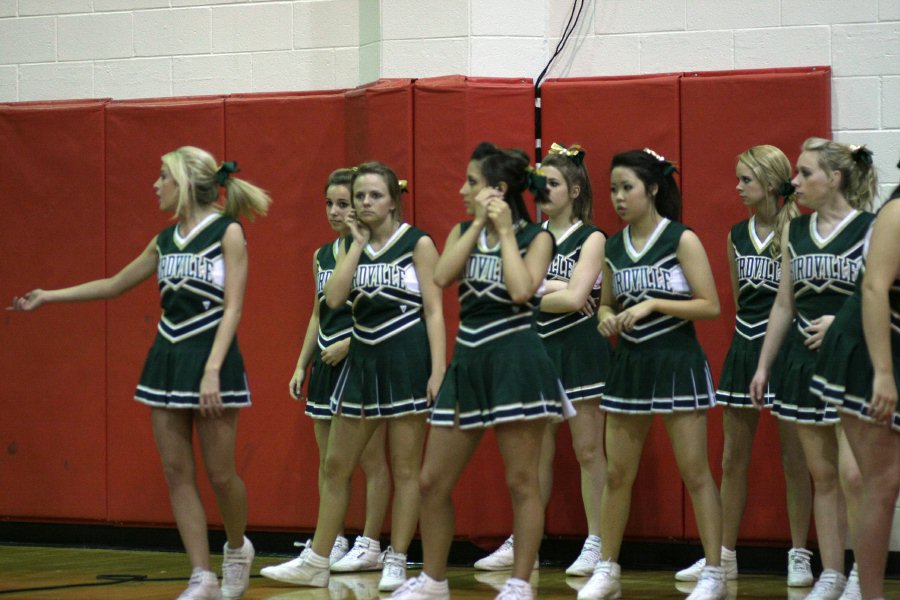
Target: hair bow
[861,155]
[786,189]
[537,181]
[227,168]
[575,153]
[668,167]
[404,185]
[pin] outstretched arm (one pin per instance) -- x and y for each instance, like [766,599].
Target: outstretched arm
[139,269]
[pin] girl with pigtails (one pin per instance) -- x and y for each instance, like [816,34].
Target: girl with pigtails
[754,257]
[658,282]
[580,354]
[194,374]
[500,375]
[822,257]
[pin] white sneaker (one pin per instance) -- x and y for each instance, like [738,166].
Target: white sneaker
[829,586]
[587,560]
[729,563]
[394,573]
[203,585]
[852,590]
[711,585]
[236,570]
[501,558]
[365,555]
[515,589]
[422,587]
[308,569]
[799,568]
[339,550]
[604,584]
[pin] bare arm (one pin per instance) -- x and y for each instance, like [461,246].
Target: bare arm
[590,263]
[234,251]
[135,272]
[457,249]
[780,318]
[732,270]
[309,343]
[882,268]
[607,324]
[337,290]
[425,257]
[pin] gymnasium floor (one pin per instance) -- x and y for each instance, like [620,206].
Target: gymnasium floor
[45,573]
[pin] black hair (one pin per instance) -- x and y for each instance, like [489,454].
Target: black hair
[510,166]
[654,171]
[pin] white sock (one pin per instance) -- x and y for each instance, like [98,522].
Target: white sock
[728,555]
[593,538]
[516,582]
[314,560]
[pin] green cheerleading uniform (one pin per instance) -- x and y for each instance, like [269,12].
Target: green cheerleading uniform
[580,354]
[823,274]
[658,366]
[843,375]
[500,371]
[386,370]
[191,278]
[335,325]
[758,274]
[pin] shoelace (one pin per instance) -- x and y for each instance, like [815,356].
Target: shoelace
[233,570]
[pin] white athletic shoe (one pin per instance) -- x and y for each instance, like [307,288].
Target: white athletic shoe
[852,590]
[692,573]
[711,585]
[830,586]
[604,584]
[236,570]
[309,569]
[422,587]
[515,589]
[799,568]
[339,550]
[500,559]
[394,573]
[365,555]
[587,560]
[203,585]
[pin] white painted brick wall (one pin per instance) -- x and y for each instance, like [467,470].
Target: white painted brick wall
[252,28]
[866,49]
[173,32]
[51,81]
[856,103]
[53,7]
[94,37]
[8,82]
[638,16]
[687,51]
[136,78]
[784,46]
[888,10]
[27,40]
[326,24]
[702,15]
[818,12]
[505,17]
[890,102]
[424,58]
[517,55]
[7,8]
[214,74]
[298,69]
[407,19]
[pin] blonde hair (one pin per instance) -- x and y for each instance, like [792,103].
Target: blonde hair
[859,183]
[198,177]
[772,169]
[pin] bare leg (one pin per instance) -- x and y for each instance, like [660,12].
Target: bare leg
[321,429]
[520,446]
[407,438]
[821,450]
[378,483]
[173,432]
[217,437]
[545,464]
[587,441]
[851,482]
[797,483]
[687,432]
[739,427]
[346,441]
[625,437]
[878,450]
[449,450]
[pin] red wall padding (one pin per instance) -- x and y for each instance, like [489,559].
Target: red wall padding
[624,113]
[138,133]
[723,114]
[104,158]
[52,364]
[453,114]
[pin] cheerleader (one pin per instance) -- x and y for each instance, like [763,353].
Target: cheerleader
[500,375]
[579,352]
[325,345]
[194,374]
[822,257]
[754,258]
[392,371]
[857,371]
[659,283]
